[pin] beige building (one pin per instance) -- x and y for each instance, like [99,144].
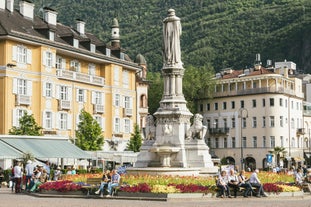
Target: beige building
[54,71]
[255,110]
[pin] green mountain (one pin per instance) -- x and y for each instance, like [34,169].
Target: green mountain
[221,33]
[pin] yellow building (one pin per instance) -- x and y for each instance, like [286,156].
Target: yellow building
[53,71]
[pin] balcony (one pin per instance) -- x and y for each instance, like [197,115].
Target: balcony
[80,77]
[127,112]
[22,100]
[143,110]
[300,131]
[98,108]
[64,105]
[219,131]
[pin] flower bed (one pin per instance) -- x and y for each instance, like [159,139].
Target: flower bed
[60,186]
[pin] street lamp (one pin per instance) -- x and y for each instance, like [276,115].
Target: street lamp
[243,113]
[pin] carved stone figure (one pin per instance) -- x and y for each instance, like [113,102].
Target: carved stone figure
[171,40]
[150,128]
[197,130]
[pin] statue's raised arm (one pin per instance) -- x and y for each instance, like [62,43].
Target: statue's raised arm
[171,40]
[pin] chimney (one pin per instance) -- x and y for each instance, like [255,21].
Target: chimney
[50,16]
[257,62]
[26,9]
[80,26]
[2,4]
[10,5]
[115,36]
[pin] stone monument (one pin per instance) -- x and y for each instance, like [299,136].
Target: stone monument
[171,145]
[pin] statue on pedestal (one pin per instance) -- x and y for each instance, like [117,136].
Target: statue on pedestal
[197,130]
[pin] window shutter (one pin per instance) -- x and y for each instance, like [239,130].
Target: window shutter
[77,94]
[44,58]
[131,126]
[53,120]
[14,53]
[69,94]
[122,101]
[103,98]
[63,64]
[57,120]
[121,125]
[29,88]
[77,121]
[103,124]
[43,89]
[53,60]
[131,102]
[43,119]
[29,56]
[84,95]
[114,99]
[14,118]
[14,86]
[93,97]
[69,121]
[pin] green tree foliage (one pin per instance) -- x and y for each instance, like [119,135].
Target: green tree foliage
[155,91]
[136,141]
[27,126]
[89,133]
[221,33]
[278,151]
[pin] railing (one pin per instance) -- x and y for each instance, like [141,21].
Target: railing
[143,110]
[22,99]
[80,77]
[221,130]
[300,131]
[127,112]
[64,105]
[98,108]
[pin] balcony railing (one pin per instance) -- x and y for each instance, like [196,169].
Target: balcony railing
[221,130]
[22,100]
[300,131]
[98,108]
[80,77]
[127,112]
[64,105]
[258,91]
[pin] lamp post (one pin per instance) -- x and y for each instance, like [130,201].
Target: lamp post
[243,113]
[309,145]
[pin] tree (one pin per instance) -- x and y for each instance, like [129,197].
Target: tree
[89,133]
[136,141]
[155,91]
[277,151]
[27,126]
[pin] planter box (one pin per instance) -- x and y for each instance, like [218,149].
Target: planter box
[287,194]
[144,195]
[54,192]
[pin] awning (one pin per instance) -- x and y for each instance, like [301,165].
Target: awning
[8,152]
[46,147]
[299,159]
[116,156]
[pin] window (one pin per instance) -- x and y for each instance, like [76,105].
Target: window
[224,105]
[264,141]
[125,79]
[208,123]
[292,123]
[92,47]
[254,122]
[225,143]
[76,43]
[116,75]
[63,117]
[216,142]
[100,121]
[232,104]
[281,102]
[108,52]
[48,90]
[21,54]
[285,103]
[233,122]
[21,87]
[282,141]
[272,121]
[225,123]
[75,65]
[60,63]
[216,123]
[51,35]
[97,98]
[216,106]
[127,102]
[281,121]
[242,104]
[17,114]
[272,141]
[263,102]
[292,144]
[292,104]
[244,122]
[48,120]
[233,142]
[91,69]
[208,107]
[244,142]
[48,59]
[263,122]
[63,93]
[117,125]
[271,100]
[127,127]
[201,107]
[254,103]
[80,95]
[117,99]
[254,141]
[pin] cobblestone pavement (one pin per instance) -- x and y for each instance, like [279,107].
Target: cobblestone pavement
[7,198]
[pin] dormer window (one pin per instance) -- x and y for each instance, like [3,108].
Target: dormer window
[92,48]
[51,35]
[108,52]
[76,43]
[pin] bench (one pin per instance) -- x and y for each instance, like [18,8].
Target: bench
[92,183]
[239,192]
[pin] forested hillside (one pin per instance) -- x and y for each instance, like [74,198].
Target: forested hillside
[221,33]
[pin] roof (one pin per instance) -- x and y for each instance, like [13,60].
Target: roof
[8,152]
[45,147]
[237,73]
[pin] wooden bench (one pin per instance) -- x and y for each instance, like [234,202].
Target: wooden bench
[92,183]
[240,191]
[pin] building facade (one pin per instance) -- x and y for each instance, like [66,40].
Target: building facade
[255,110]
[54,71]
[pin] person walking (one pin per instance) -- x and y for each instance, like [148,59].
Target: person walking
[18,174]
[29,172]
